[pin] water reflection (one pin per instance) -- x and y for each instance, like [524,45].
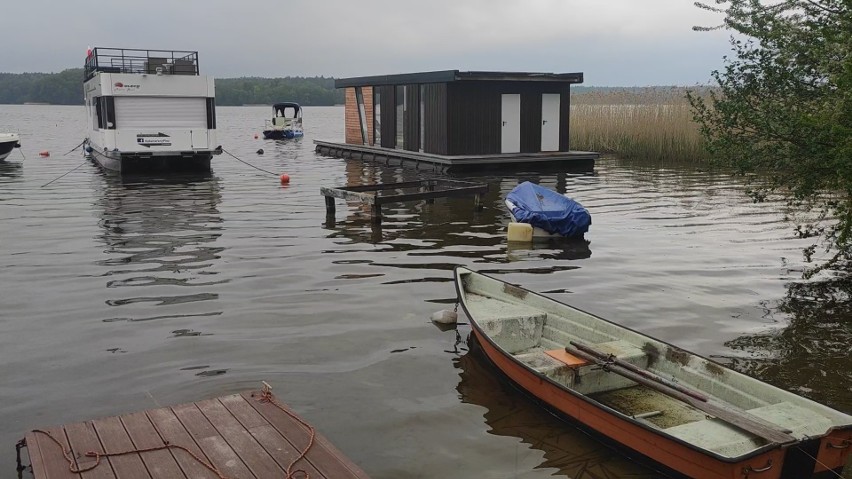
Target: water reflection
[10,170]
[811,355]
[159,236]
[450,227]
[509,413]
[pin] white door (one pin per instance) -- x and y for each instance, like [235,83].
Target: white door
[510,136]
[550,122]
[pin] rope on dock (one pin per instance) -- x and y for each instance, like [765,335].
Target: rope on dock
[99,455]
[267,397]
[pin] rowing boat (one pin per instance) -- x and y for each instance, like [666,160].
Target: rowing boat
[689,415]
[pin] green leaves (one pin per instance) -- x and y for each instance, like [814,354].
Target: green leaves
[783,106]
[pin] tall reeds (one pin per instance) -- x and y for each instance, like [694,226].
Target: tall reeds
[653,123]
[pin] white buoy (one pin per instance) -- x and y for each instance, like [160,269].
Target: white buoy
[445,316]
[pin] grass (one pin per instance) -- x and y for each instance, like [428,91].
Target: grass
[653,123]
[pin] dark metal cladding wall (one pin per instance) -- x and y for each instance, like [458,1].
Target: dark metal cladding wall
[474,115]
[531,121]
[564,119]
[435,118]
[411,128]
[388,116]
[473,118]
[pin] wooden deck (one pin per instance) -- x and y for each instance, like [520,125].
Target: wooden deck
[442,163]
[239,436]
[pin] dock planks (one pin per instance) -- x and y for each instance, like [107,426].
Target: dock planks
[240,436]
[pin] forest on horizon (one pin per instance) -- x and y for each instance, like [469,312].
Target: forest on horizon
[65,88]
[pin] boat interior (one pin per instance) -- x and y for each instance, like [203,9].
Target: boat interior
[536,330]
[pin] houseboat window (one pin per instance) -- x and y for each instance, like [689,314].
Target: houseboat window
[377,116]
[109,109]
[362,113]
[99,112]
[422,117]
[400,116]
[95,112]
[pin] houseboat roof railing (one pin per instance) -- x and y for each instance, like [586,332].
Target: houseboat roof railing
[130,60]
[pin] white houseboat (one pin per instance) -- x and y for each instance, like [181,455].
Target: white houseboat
[149,110]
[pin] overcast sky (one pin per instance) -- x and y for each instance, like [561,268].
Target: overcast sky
[614,42]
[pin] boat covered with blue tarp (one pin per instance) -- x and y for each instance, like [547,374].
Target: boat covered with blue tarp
[548,210]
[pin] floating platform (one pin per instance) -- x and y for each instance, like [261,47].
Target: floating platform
[243,435]
[441,163]
[382,193]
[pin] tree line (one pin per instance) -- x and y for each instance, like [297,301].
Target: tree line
[65,88]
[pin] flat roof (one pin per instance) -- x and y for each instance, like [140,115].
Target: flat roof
[446,76]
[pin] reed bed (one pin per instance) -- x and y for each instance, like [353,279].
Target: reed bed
[652,123]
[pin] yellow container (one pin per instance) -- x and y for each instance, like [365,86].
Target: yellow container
[520,232]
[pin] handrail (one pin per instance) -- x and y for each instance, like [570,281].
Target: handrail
[128,60]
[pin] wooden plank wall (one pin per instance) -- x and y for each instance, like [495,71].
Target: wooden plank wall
[353,126]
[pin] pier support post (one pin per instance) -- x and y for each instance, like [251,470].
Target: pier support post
[329,205]
[477,202]
[376,214]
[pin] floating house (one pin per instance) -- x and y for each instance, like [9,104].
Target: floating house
[452,118]
[148,110]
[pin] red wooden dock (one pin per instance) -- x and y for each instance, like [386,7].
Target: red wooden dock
[241,436]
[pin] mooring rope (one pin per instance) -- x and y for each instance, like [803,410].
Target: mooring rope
[264,397]
[67,172]
[818,462]
[247,163]
[78,146]
[98,455]
[267,397]
[64,174]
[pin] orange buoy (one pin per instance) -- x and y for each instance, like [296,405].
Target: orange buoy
[44,154]
[285,179]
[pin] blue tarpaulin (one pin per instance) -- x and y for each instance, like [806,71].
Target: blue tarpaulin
[548,210]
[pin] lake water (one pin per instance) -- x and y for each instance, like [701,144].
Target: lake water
[119,295]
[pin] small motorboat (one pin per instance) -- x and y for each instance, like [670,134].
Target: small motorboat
[549,213]
[286,122]
[8,142]
[690,416]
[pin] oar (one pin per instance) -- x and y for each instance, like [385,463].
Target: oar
[637,370]
[727,413]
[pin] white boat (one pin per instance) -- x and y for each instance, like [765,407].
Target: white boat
[286,122]
[149,110]
[8,142]
[689,415]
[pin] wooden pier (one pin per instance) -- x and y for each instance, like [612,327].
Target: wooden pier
[378,194]
[247,435]
[443,163]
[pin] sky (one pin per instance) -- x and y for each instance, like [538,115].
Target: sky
[613,42]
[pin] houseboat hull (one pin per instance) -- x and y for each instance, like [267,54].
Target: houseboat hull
[282,134]
[135,163]
[819,456]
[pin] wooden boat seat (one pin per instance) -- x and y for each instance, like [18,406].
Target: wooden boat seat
[725,439]
[581,375]
[566,358]
[591,379]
